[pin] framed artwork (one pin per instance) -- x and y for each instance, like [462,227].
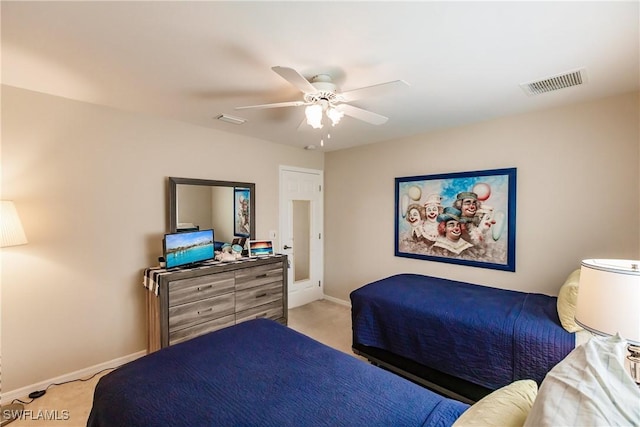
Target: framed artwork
[241,206]
[242,241]
[466,218]
[259,248]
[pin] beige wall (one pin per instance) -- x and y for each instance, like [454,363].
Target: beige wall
[578,190]
[90,185]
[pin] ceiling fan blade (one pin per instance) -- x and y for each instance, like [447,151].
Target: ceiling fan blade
[276,105]
[295,78]
[303,125]
[364,115]
[375,90]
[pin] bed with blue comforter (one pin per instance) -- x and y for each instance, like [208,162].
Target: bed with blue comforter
[261,373]
[485,336]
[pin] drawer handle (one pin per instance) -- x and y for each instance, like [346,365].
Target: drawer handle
[205,311]
[202,288]
[261,276]
[264,294]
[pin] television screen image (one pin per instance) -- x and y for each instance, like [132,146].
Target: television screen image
[188,247]
[260,248]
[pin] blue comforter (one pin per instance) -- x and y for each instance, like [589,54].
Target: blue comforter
[260,373]
[487,336]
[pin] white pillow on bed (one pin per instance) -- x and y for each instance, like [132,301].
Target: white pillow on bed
[566,304]
[590,387]
[505,407]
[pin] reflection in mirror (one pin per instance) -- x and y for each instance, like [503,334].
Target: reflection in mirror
[203,204]
[301,239]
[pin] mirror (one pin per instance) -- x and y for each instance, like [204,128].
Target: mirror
[226,206]
[302,237]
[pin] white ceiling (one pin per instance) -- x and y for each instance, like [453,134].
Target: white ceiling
[192,61]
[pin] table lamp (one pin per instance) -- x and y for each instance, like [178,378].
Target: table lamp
[11,234]
[609,303]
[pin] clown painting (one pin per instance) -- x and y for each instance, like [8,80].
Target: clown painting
[464,218]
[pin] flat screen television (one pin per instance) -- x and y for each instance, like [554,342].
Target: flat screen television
[188,247]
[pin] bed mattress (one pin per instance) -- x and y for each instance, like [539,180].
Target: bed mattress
[260,373]
[487,336]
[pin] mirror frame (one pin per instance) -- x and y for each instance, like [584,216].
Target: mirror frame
[174,182]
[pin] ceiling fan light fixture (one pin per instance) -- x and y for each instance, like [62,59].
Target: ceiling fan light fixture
[314,116]
[322,96]
[334,115]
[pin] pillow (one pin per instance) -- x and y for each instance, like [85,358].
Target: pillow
[590,387]
[505,407]
[567,299]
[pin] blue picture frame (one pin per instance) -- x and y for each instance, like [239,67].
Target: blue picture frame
[466,218]
[241,212]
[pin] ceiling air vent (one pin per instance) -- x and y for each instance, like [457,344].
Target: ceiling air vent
[561,81]
[231,119]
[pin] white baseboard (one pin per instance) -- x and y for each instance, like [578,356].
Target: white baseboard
[337,301]
[303,296]
[21,393]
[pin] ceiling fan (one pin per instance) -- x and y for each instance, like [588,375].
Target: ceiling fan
[321,95]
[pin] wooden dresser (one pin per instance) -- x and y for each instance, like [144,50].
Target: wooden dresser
[185,303]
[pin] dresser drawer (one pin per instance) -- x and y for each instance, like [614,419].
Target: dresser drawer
[273,311]
[200,329]
[258,296]
[196,288]
[182,316]
[259,275]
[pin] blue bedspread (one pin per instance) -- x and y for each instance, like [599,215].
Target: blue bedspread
[260,373]
[485,335]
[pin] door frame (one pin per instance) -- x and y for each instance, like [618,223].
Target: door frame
[316,292]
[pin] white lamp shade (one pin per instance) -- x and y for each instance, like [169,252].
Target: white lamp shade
[609,298]
[314,115]
[11,231]
[335,116]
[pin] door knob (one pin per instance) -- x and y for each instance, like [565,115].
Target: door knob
[287,247]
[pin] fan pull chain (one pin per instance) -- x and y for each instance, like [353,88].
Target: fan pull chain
[322,139]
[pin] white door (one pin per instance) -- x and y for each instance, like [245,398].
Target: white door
[301,232]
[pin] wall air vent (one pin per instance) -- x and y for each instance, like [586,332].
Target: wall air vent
[561,81]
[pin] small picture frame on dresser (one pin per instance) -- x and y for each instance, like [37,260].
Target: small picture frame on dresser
[242,241]
[260,248]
